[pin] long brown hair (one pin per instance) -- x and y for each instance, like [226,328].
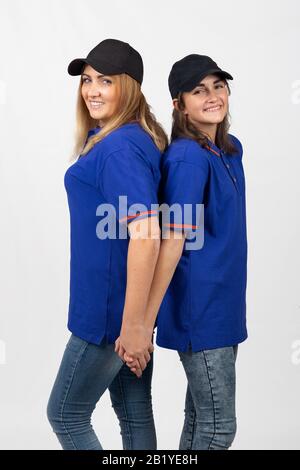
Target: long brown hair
[182,127]
[132,107]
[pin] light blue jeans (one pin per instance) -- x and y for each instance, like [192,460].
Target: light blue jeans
[85,373]
[210,418]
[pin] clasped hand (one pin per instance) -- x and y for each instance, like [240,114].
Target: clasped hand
[134,346]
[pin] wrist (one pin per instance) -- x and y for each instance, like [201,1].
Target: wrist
[149,326]
[150,318]
[129,325]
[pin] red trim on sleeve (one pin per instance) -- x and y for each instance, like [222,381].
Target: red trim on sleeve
[182,226]
[138,215]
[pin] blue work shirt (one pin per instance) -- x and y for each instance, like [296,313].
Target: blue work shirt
[125,163]
[205,304]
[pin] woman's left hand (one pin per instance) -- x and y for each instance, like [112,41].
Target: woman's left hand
[134,346]
[133,364]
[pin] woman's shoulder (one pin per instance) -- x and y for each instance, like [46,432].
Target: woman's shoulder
[187,151]
[237,144]
[130,136]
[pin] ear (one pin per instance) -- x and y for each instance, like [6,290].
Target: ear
[175,104]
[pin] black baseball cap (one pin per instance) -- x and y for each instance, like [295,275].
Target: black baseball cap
[111,57]
[189,71]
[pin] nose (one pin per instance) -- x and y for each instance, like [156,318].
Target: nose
[212,96]
[93,90]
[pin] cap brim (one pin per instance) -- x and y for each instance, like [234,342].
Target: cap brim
[194,81]
[75,67]
[222,73]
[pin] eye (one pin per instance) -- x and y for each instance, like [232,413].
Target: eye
[220,85]
[85,80]
[199,91]
[107,81]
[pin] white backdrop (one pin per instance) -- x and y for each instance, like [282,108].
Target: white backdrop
[258,42]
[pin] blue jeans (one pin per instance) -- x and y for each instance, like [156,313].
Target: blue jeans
[210,419]
[86,372]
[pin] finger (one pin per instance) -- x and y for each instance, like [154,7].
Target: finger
[132,364]
[142,362]
[121,352]
[138,372]
[137,369]
[117,345]
[128,358]
[147,357]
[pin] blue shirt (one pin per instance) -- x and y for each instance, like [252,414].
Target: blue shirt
[205,304]
[124,163]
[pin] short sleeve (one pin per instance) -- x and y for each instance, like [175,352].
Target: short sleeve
[128,183]
[183,187]
[237,145]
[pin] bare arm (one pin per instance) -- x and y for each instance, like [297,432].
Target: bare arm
[169,256]
[142,257]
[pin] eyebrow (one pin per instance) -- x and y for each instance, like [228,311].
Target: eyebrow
[216,81]
[87,75]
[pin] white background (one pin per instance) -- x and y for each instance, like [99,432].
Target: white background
[258,43]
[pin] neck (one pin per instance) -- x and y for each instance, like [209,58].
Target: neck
[210,130]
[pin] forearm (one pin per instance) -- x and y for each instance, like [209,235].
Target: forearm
[169,256]
[141,261]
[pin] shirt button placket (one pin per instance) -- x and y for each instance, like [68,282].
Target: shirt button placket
[228,167]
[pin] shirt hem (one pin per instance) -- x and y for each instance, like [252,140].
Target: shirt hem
[86,336]
[197,346]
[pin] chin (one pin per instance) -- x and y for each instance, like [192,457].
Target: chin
[96,116]
[215,119]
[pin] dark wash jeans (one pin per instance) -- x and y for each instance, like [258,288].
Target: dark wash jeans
[86,372]
[210,418]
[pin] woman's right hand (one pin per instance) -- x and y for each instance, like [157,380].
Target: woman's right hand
[133,362]
[135,341]
[133,365]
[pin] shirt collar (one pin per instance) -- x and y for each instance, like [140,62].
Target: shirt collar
[211,147]
[93,131]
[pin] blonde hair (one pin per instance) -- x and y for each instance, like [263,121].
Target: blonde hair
[132,107]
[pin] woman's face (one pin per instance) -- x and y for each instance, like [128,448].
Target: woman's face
[100,94]
[207,103]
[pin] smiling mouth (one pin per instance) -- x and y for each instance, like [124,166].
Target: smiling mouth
[213,109]
[96,104]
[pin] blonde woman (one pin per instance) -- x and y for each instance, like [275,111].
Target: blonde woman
[112,191]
